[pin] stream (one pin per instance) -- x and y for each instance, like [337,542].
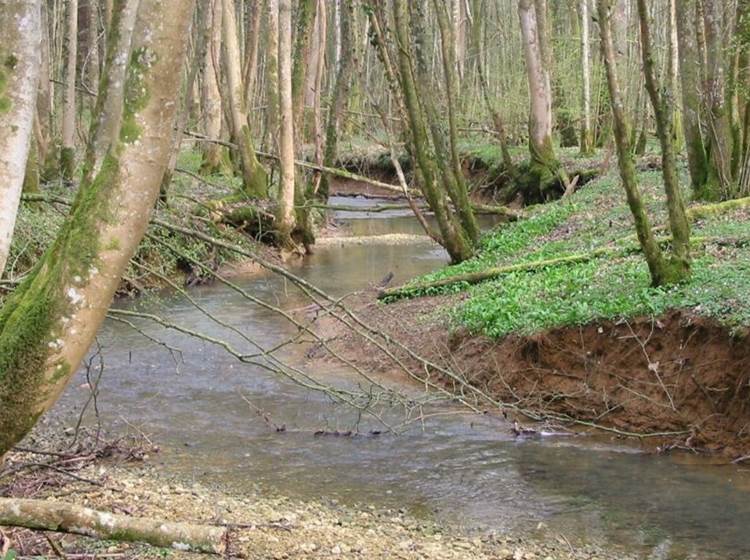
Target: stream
[464,470]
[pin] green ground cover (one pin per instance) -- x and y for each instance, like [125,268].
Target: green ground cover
[609,287]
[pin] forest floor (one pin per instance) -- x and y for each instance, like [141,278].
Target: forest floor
[125,478]
[587,341]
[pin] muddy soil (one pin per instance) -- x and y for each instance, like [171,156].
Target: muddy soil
[674,382]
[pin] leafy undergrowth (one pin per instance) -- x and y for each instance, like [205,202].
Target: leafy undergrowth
[38,224]
[602,288]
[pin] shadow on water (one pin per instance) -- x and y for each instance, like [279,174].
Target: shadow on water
[466,470]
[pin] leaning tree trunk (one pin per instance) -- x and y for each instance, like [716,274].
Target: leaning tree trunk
[285,209]
[20,61]
[544,167]
[691,79]
[48,324]
[454,172]
[648,243]
[105,128]
[254,178]
[679,265]
[459,248]
[67,151]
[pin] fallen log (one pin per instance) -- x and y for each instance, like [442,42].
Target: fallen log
[478,209]
[471,278]
[489,274]
[709,210]
[68,518]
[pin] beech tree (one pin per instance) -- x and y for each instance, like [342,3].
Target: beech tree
[20,60]
[254,176]
[67,150]
[48,324]
[285,211]
[544,167]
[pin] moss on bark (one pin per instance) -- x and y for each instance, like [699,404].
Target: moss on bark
[32,318]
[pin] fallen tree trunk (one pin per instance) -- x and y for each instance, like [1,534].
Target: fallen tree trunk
[471,278]
[478,209]
[489,274]
[68,518]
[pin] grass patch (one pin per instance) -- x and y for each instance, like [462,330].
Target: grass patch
[602,288]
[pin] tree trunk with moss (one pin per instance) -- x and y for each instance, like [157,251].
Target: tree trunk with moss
[650,247]
[107,124]
[455,242]
[252,44]
[302,43]
[544,167]
[691,82]
[68,147]
[254,177]
[272,77]
[213,154]
[285,209]
[20,27]
[47,325]
[678,268]
[451,169]
[715,97]
[341,90]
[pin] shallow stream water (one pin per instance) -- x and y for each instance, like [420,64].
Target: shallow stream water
[463,469]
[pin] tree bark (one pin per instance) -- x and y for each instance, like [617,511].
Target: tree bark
[49,322]
[458,247]
[587,138]
[285,210]
[67,151]
[719,126]
[302,44]
[646,238]
[210,93]
[679,265]
[107,124]
[272,78]
[341,89]
[254,178]
[544,165]
[690,76]
[20,26]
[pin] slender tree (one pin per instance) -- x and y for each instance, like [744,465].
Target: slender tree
[544,167]
[67,151]
[661,101]
[587,139]
[254,177]
[341,88]
[285,210]
[19,76]
[210,92]
[691,81]
[650,247]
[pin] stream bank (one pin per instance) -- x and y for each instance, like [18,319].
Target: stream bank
[564,324]
[267,527]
